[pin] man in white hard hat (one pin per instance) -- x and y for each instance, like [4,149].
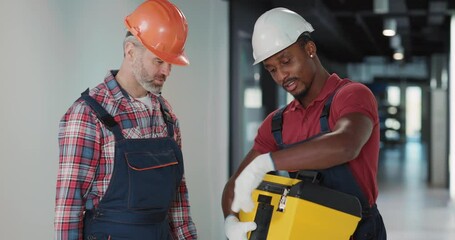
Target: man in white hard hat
[344,148]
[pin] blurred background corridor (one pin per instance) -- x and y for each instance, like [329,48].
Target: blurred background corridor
[412,210]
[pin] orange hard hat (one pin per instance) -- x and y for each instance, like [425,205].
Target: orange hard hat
[162,28]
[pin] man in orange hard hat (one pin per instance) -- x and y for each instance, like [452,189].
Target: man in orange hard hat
[121,166]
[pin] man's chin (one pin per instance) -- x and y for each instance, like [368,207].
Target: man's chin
[153,89]
[299,95]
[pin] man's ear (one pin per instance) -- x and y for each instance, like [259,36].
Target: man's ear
[129,49]
[310,49]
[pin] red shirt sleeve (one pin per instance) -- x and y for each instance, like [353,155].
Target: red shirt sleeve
[354,97]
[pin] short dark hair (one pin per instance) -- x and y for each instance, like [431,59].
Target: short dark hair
[304,38]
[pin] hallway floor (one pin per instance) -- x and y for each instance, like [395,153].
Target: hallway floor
[411,209]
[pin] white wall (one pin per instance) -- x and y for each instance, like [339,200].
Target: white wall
[452,109]
[199,94]
[54,49]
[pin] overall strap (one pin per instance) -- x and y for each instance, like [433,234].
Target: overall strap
[324,117]
[277,126]
[167,117]
[103,115]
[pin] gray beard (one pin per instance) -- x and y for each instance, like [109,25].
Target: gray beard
[151,87]
[140,78]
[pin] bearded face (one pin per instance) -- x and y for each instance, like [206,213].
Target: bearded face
[149,78]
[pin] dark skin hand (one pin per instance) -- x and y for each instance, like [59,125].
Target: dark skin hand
[298,69]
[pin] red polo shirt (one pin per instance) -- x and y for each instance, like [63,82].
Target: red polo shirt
[302,123]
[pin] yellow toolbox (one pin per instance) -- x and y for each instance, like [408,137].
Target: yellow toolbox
[289,208]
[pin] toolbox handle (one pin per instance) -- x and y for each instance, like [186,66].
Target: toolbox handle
[262,218]
[313,176]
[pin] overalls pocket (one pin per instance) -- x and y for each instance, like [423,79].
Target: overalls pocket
[152,179]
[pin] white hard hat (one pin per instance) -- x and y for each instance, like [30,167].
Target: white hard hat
[276,30]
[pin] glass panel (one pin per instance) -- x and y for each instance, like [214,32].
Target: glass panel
[246,99]
[393,95]
[413,112]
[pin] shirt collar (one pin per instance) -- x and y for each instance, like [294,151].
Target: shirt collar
[330,85]
[116,90]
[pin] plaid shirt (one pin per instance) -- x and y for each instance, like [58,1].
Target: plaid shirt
[87,158]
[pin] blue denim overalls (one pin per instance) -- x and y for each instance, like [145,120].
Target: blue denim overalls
[338,178]
[144,181]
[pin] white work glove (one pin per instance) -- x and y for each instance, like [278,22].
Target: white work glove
[248,180]
[236,230]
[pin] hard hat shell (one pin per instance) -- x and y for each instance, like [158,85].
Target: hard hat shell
[162,28]
[276,30]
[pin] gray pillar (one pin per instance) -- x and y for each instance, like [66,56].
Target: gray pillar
[438,162]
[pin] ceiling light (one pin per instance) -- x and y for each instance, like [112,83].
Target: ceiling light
[399,54]
[390,27]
